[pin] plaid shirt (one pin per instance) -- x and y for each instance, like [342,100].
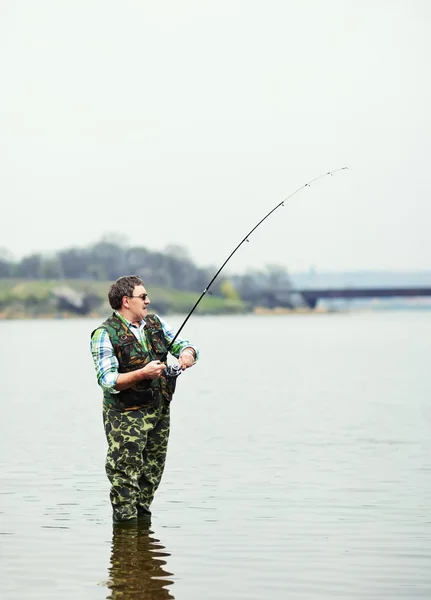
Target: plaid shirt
[106,362]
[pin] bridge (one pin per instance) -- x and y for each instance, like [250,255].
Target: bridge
[312,296]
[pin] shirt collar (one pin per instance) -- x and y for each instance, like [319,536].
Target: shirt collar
[129,323]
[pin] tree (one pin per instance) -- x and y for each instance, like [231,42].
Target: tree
[5,268]
[177,251]
[229,291]
[50,268]
[29,267]
[277,277]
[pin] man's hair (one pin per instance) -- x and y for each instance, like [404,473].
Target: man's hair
[122,287]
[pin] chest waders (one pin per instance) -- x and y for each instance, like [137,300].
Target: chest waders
[137,439]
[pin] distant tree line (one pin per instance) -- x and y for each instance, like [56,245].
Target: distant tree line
[172,268]
[108,260]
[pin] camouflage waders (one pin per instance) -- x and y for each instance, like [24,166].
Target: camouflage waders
[137,446]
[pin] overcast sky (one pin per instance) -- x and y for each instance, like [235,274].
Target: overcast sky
[185,122]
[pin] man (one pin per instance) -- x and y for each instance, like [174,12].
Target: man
[129,351]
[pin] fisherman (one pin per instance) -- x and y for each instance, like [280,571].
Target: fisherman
[130,355]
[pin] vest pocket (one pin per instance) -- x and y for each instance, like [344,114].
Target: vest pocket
[134,397]
[128,356]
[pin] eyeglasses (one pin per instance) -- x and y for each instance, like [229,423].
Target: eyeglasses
[141,296]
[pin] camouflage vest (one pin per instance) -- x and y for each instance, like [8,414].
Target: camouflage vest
[131,355]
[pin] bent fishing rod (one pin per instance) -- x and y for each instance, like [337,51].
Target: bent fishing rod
[308,184]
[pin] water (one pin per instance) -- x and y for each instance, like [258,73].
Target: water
[299,465]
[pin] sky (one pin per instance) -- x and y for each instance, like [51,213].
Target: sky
[185,123]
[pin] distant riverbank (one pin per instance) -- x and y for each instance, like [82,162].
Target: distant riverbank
[68,298]
[21,299]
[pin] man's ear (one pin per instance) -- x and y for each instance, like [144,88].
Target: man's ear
[125,302]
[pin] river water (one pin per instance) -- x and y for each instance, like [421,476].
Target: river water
[299,465]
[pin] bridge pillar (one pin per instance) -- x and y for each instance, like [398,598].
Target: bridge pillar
[310,301]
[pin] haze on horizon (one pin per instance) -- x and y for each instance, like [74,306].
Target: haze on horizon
[185,123]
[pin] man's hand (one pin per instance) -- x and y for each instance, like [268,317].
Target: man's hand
[153,369]
[187,358]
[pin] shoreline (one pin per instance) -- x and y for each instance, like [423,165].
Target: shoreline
[257,312]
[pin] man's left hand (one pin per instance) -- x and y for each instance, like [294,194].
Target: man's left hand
[187,358]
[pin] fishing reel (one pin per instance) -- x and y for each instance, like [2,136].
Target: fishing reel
[172,372]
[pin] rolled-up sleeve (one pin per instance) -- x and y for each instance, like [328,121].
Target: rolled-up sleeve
[105,361]
[179,344]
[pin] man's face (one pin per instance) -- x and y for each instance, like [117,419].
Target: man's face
[137,303]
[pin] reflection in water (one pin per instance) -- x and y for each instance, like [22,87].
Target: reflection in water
[137,561]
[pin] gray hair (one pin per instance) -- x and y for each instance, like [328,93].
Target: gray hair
[124,286]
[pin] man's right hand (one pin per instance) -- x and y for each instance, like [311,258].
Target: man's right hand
[153,369]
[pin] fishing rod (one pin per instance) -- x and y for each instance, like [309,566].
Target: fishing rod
[308,184]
